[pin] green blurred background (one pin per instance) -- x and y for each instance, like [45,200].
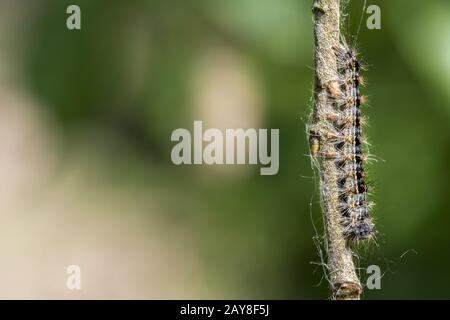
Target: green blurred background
[86,176]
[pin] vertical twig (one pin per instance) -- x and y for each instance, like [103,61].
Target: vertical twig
[343,280]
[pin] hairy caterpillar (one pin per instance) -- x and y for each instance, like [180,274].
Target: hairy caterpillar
[353,188]
[344,129]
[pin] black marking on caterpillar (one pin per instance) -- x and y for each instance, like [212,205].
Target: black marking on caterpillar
[349,155]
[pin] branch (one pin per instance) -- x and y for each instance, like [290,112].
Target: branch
[343,280]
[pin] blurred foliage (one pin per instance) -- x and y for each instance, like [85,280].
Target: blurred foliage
[128,74]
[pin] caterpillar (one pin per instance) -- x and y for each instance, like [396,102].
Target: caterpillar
[344,129]
[353,189]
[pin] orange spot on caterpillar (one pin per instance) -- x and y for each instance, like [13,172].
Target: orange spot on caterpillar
[362,99]
[333,89]
[331,135]
[330,155]
[332,117]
